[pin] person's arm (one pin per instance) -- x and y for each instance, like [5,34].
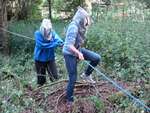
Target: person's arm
[77,52]
[57,40]
[71,37]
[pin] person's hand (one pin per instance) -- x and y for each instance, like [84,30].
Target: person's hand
[59,43]
[80,56]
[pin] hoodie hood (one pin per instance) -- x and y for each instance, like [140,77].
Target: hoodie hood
[79,19]
[80,16]
[46,24]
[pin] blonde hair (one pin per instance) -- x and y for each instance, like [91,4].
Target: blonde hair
[46,24]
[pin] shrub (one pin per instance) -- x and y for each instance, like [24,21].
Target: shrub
[123,45]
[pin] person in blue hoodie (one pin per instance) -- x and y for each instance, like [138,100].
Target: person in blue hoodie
[73,50]
[46,40]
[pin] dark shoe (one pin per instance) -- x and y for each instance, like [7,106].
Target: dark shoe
[69,106]
[51,79]
[41,80]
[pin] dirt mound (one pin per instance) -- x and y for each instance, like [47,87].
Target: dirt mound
[88,97]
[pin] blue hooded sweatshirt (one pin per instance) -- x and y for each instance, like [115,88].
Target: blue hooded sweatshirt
[44,49]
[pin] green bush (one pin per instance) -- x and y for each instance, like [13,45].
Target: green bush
[123,45]
[99,104]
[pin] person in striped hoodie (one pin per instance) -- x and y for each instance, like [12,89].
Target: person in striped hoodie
[73,50]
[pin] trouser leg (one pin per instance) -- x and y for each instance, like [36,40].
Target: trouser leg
[92,57]
[52,70]
[41,72]
[71,65]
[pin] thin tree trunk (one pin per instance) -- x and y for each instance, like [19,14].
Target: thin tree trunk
[88,6]
[50,8]
[4,39]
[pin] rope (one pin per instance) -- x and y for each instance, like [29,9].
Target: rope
[127,93]
[16,34]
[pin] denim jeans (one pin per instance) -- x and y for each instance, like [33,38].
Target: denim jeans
[71,65]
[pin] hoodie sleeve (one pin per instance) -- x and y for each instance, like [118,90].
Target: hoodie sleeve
[57,40]
[71,35]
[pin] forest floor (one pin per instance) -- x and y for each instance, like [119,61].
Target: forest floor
[99,98]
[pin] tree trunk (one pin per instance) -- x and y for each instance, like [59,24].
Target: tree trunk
[50,8]
[4,39]
[88,6]
[23,9]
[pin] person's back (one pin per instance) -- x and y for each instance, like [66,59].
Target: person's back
[76,31]
[71,30]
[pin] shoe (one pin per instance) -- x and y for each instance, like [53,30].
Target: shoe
[69,106]
[87,78]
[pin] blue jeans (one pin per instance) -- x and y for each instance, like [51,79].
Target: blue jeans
[71,65]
